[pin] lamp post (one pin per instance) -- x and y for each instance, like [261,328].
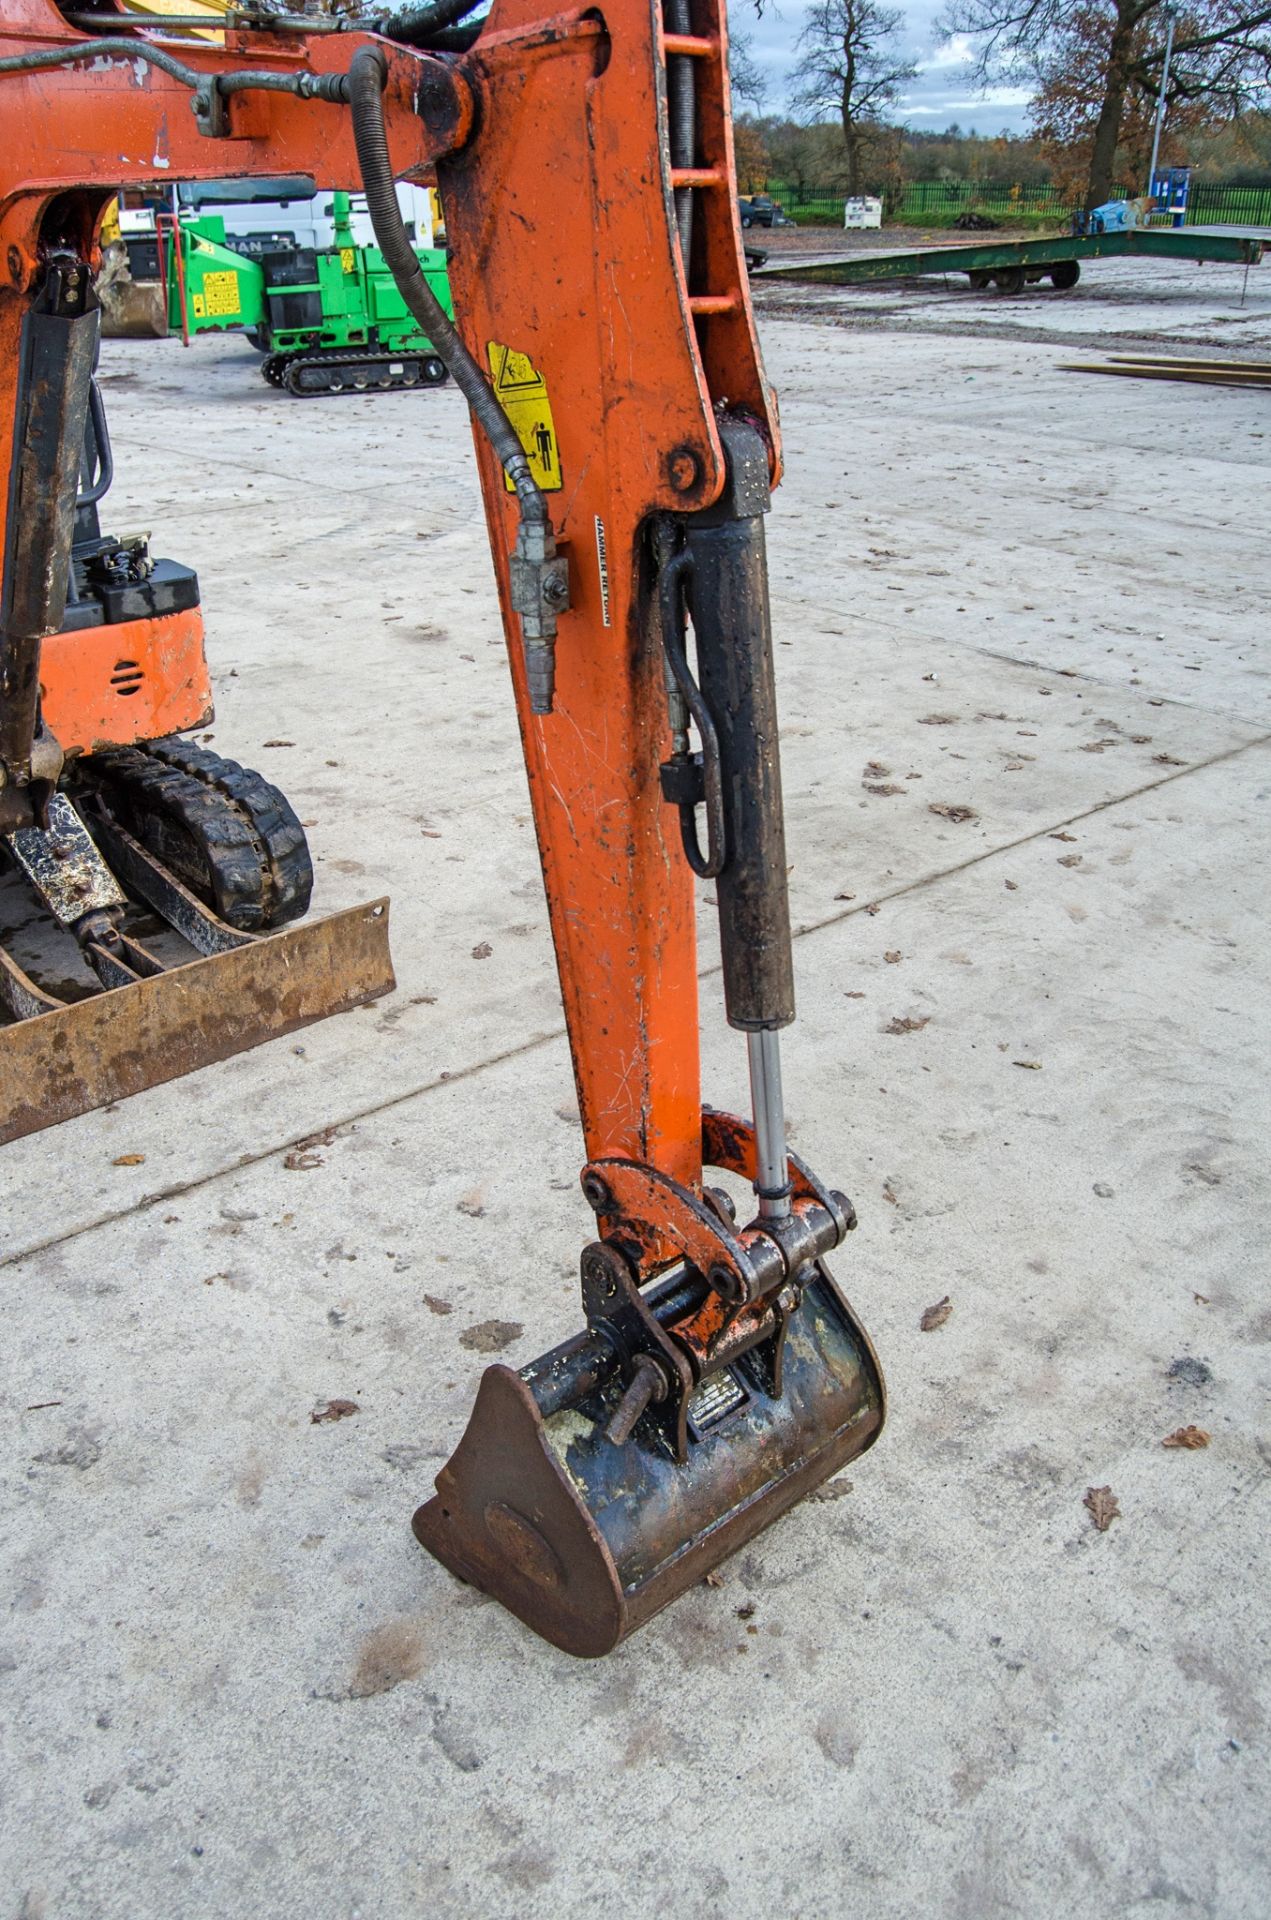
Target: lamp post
[1160,98]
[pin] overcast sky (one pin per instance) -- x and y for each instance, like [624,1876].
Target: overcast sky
[941,93]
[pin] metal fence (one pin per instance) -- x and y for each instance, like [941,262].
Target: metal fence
[940,200]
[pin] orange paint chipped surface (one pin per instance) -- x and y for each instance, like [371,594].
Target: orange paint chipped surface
[109,686]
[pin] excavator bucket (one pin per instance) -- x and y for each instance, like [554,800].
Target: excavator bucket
[584,1539]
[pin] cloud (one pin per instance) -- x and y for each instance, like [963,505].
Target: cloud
[943,90]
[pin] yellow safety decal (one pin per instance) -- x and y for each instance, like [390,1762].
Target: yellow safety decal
[220,291]
[198,306]
[522,391]
[346,259]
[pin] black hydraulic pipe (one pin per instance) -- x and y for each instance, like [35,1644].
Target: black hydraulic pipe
[366,78]
[59,350]
[733,630]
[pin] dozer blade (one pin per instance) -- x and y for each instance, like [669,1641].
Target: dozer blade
[585,1540]
[89,1053]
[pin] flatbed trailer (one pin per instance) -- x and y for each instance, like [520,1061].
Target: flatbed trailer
[1010,265]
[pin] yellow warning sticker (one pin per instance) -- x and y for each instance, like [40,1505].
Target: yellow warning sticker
[220,291]
[346,259]
[522,392]
[198,306]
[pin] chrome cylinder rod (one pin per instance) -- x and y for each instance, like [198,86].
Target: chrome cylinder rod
[772,1181]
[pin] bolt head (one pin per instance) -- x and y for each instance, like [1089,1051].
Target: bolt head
[683,470]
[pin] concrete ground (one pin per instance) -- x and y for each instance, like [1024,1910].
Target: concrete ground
[230,1683]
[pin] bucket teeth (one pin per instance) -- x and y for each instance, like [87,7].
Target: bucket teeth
[585,1540]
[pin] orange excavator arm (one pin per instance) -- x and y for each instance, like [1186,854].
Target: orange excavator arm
[627,443]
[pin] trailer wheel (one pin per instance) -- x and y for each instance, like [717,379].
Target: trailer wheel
[1009,280]
[979,279]
[1065,273]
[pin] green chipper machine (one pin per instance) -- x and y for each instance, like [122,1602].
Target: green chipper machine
[327,319]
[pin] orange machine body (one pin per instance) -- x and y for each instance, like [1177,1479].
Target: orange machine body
[549,144]
[110,686]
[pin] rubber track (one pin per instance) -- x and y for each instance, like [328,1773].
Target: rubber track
[253,864]
[280,371]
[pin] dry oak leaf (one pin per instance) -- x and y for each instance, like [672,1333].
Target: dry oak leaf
[936,1316]
[1070,860]
[1190,1437]
[1101,1504]
[128,1160]
[907,1023]
[892,958]
[297,1162]
[884,788]
[482,950]
[1063,836]
[957,814]
[713,1579]
[334,1410]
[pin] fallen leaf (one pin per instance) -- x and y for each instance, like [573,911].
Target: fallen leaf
[482,951]
[1012,886]
[713,1579]
[1033,1066]
[938,720]
[936,1316]
[1192,1438]
[334,1410]
[324,1139]
[297,1162]
[128,1160]
[434,1305]
[1070,860]
[472,1204]
[491,1336]
[892,958]
[907,1023]
[890,1195]
[1101,1503]
[884,788]
[957,814]
[832,1490]
[747,1612]
[1063,836]
[1167,760]
[1201,1299]
[877,768]
[873,908]
[277,743]
[849,994]
[845,896]
[1141,739]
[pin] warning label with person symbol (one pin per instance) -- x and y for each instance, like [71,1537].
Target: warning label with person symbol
[522,393]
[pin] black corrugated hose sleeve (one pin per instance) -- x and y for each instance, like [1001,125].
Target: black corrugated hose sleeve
[415,26]
[366,78]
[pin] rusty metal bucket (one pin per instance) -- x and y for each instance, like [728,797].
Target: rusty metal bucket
[585,1540]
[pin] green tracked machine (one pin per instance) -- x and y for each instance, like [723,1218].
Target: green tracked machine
[328,320]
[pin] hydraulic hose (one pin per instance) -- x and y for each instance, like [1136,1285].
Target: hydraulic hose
[415,26]
[309,86]
[366,77]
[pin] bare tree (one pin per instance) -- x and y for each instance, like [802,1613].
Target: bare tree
[1112,51]
[850,64]
[747,78]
